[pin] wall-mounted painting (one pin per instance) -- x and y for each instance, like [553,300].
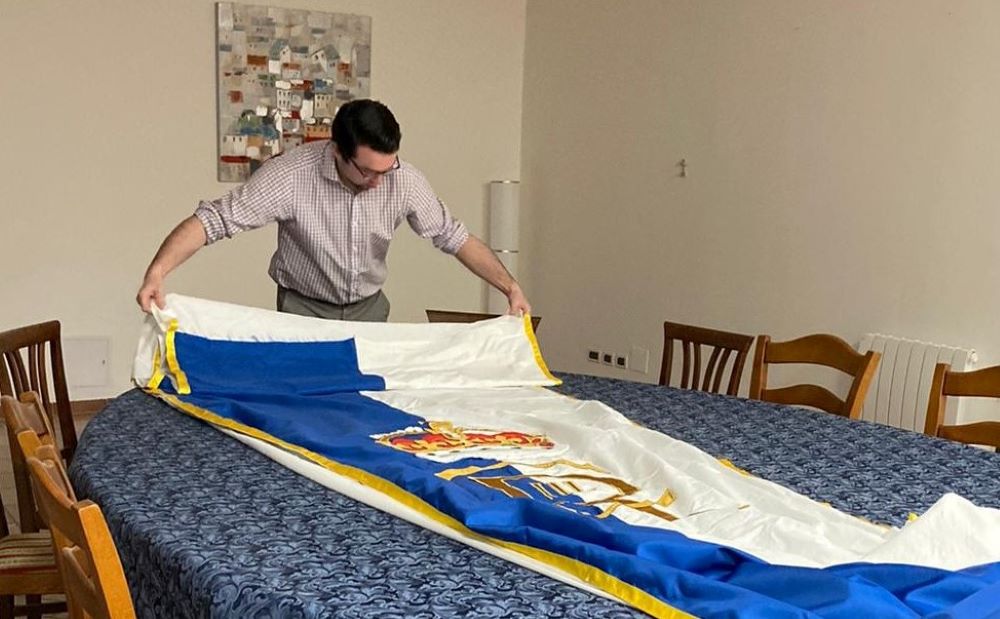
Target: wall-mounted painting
[283,73]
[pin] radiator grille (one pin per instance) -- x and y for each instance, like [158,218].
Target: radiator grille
[900,389]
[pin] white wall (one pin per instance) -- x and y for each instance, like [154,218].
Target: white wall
[108,140]
[842,159]
[843,171]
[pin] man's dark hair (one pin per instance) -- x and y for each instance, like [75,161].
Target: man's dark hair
[365,122]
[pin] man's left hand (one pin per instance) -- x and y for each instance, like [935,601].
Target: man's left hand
[517,303]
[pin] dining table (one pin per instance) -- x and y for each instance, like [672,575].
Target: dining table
[208,527]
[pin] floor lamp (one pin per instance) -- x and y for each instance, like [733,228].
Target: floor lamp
[504,207]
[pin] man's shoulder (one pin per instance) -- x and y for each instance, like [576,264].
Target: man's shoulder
[409,174]
[409,182]
[303,156]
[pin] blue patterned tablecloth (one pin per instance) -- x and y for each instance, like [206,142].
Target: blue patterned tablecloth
[207,527]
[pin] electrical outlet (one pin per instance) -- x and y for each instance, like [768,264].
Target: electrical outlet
[621,361]
[608,358]
[594,355]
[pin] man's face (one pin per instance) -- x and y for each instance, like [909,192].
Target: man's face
[367,167]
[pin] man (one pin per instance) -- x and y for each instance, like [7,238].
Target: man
[337,204]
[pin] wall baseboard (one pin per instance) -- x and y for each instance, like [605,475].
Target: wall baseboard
[87,408]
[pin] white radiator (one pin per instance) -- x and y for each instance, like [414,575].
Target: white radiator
[901,387]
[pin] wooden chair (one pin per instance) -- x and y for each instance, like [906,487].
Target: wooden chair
[27,564]
[452,316]
[25,413]
[691,339]
[984,383]
[818,349]
[85,551]
[18,374]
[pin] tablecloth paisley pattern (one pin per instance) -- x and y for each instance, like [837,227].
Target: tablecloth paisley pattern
[207,527]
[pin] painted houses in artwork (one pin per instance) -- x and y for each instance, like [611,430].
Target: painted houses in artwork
[320,60]
[317,131]
[234,145]
[283,74]
[257,63]
[283,99]
[324,105]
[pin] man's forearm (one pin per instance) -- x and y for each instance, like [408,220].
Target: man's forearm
[481,260]
[182,243]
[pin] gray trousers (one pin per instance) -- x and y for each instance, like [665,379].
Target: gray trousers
[373,309]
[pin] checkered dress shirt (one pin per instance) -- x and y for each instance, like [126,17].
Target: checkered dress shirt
[332,243]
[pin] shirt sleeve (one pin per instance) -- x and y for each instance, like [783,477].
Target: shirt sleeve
[265,198]
[431,219]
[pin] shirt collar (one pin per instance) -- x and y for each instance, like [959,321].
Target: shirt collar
[329,165]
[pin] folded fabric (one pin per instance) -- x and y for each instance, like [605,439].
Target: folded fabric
[446,425]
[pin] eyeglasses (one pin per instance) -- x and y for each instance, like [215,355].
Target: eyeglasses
[366,173]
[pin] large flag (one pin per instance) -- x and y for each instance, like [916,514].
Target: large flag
[449,426]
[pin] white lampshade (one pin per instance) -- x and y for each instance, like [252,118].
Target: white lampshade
[504,207]
[504,237]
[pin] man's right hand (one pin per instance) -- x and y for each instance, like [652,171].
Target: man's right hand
[182,242]
[150,292]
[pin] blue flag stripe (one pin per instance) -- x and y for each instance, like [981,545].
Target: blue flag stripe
[627,593]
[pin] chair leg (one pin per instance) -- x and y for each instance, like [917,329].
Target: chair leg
[7,607]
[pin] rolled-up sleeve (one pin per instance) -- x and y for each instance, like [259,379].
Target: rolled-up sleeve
[265,198]
[431,219]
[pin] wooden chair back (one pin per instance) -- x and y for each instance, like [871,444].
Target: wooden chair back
[722,344]
[984,383]
[25,413]
[85,551]
[819,349]
[24,366]
[434,315]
